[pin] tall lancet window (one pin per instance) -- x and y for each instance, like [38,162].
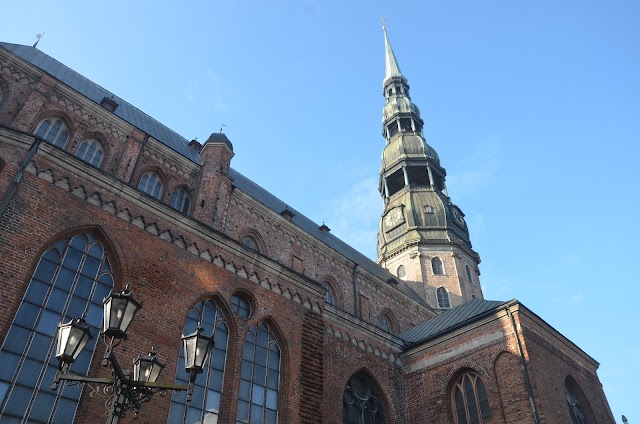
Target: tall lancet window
[259,377]
[71,280]
[470,401]
[207,391]
[360,402]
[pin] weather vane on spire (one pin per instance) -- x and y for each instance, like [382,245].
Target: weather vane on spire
[38,36]
[384,27]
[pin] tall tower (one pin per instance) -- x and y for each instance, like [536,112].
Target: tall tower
[423,237]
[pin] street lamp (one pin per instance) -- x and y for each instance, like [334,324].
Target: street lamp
[126,389]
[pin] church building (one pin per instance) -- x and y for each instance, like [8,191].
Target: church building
[98,197]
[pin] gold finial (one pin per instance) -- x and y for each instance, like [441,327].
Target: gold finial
[384,27]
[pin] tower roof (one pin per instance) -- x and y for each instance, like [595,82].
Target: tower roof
[391,69]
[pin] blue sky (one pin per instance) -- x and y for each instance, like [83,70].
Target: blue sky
[533,108]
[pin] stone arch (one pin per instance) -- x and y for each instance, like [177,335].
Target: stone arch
[161,176]
[393,320]
[56,113]
[335,289]
[93,135]
[571,384]
[254,235]
[466,369]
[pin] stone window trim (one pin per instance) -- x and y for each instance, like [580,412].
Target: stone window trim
[401,272]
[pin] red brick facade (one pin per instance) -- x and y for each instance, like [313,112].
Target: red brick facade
[172,261]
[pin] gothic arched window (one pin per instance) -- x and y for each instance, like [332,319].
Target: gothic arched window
[53,131]
[443,298]
[360,402]
[470,401]
[207,389]
[71,280]
[384,322]
[402,273]
[329,296]
[575,409]
[180,201]
[436,266]
[151,184]
[259,377]
[90,151]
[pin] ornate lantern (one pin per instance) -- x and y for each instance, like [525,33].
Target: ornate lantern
[72,338]
[147,368]
[119,310]
[196,350]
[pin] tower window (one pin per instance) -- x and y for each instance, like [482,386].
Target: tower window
[468,270]
[470,401]
[402,273]
[405,125]
[444,302]
[150,183]
[393,128]
[90,151]
[53,131]
[436,266]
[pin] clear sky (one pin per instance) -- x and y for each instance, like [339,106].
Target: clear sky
[533,107]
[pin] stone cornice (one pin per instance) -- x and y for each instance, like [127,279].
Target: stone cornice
[170,158]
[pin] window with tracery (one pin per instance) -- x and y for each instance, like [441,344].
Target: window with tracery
[53,131]
[575,409]
[385,323]
[329,297]
[259,377]
[207,390]
[443,298]
[360,402]
[71,280]
[436,266]
[470,401]
[180,201]
[90,151]
[151,184]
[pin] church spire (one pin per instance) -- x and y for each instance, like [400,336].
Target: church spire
[392,68]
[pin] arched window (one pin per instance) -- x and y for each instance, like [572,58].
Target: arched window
[329,296]
[575,409]
[70,281]
[402,273]
[436,266]
[90,151]
[241,306]
[470,402]
[443,298]
[53,131]
[180,201]
[207,389]
[259,377]
[360,402]
[151,184]
[468,270]
[385,323]
[250,243]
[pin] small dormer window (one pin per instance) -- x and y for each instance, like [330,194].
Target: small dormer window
[109,104]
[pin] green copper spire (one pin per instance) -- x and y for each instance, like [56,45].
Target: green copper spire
[392,68]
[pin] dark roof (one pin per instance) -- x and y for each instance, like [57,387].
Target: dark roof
[220,138]
[94,92]
[449,320]
[176,142]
